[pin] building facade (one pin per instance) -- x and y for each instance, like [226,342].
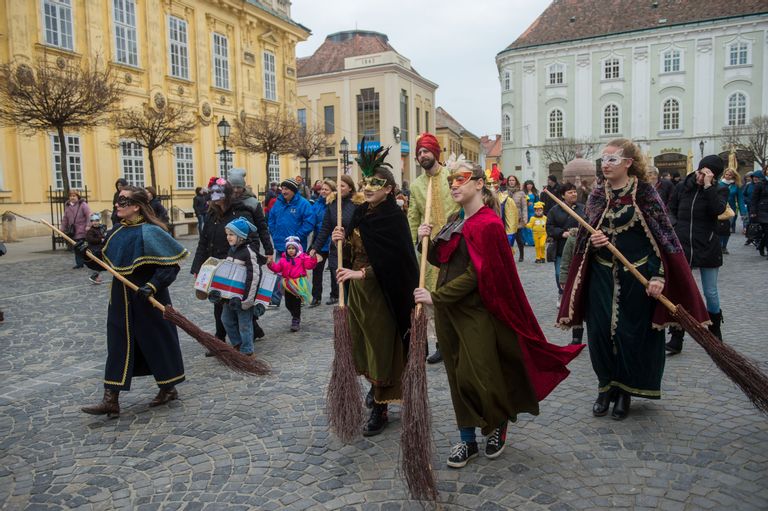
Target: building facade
[221,58]
[454,138]
[671,80]
[356,84]
[490,152]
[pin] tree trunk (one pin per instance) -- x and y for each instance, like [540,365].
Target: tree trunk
[64,163]
[306,179]
[152,167]
[269,155]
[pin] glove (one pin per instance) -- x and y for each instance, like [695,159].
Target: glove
[214,296]
[145,291]
[235,304]
[81,246]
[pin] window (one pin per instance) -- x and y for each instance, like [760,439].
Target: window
[132,162]
[737,109]
[738,54]
[507,80]
[274,168]
[611,69]
[368,114]
[74,162]
[671,61]
[611,120]
[403,115]
[330,121]
[126,47]
[220,61]
[506,128]
[224,162]
[185,166]
[670,115]
[270,79]
[556,123]
[418,121]
[57,18]
[301,115]
[330,151]
[177,38]
[426,122]
[556,74]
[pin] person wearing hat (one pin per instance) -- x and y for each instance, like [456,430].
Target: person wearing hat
[538,225]
[427,156]
[290,216]
[694,207]
[94,236]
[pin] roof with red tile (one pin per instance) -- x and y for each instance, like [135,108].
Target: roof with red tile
[445,120]
[570,20]
[491,146]
[329,57]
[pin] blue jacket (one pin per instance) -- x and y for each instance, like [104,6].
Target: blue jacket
[319,208]
[736,198]
[294,218]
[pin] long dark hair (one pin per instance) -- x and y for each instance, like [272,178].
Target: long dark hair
[219,208]
[385,173]
[534,190]
[141,199]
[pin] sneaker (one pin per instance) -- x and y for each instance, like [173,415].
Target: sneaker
[315,302]
[95,279]
[332,301]
[496,442]
[295,325]
[461,453]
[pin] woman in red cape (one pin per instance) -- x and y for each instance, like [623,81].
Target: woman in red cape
[496,357]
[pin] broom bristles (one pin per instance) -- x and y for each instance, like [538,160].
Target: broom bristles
[742,371]
[224,352]
[344,399]
[416,435]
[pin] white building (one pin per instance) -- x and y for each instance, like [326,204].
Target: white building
[669,75]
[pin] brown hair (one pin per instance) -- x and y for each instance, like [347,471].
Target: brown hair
[141,199]
[385,173]
[151,189]
[330,183]
[630,150]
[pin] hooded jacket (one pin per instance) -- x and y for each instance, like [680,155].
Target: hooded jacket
[292,218]
[759,204]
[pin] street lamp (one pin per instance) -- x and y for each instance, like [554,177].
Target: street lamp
[224,130]
[701,148]
[528,156]
[345,152]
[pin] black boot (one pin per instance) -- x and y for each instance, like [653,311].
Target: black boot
[436,357]
[675,344]
[377,420]
[108,406]
[717,319]
[603,402]
[369,398]
[621,408]
[578,335]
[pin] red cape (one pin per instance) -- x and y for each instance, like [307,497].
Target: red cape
[504,297]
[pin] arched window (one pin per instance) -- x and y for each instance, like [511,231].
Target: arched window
[506,128]
[611,120]
[670,115]
[556,123]
[737,109]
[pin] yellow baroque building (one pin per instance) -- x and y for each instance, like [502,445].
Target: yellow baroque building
[222,58]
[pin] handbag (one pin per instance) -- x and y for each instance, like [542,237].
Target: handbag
[551,250]
[727,214]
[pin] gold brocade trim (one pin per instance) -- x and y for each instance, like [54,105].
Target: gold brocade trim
[175,378]
[131,223]
[154,289]
[615,306]
[127,270]
[128,343]
[639,392]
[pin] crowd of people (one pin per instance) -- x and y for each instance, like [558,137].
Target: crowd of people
[498,361]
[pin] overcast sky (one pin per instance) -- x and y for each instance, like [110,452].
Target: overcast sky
[450,42]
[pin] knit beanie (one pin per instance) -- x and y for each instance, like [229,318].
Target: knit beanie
[237,177]
[293,241]
[241,227]
[291,185]
[714,163]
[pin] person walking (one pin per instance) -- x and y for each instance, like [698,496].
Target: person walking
[554,187]
[319,210]
[532,197]
[697,202]
[200,206]
[119,184]
[76,221]
[518,196]
[732,181]
[664,187]
[157,206]
[292,267]
[559,225]
[759,212]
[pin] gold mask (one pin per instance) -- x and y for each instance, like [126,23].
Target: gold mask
[374,184]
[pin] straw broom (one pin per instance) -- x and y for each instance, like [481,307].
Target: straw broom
[416,433]
[225,353]
[344,398]
[745,373]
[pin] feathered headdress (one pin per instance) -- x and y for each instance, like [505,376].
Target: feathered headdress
[369,160]
[453,163]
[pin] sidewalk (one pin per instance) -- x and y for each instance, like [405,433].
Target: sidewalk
[30,249]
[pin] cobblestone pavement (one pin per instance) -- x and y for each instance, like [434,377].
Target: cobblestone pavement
[234,442]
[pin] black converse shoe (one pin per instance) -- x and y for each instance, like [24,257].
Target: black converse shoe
[461,453]
[496,442]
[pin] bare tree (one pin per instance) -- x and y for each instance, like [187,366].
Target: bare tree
[154,130]
[564,150]
[307,142]
[752,138]
[269,133]
[60,95]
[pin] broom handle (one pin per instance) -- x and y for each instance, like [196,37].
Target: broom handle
[425,242]
[107,267]
[340,243]
[615,251]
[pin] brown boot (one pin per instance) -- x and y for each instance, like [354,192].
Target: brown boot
[108,405]
[164,396]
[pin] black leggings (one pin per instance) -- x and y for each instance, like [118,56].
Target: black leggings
[293,304]
[317,277]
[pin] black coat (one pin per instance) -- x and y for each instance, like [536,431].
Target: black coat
[549,202]
[213,239]
[200,204]
[559,221]
[329,223]
[759,205]
[160,212]
[665,188]
[694,211]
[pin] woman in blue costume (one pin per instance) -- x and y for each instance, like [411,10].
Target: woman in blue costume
[139,341]
[532,194]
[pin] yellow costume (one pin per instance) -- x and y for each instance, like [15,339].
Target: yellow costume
[538,224]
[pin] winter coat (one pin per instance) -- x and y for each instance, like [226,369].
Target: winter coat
[735,198]
[521,201]
[318,209]
[509,214]
[245,254]
[200,205]
[250,202]
[293,267]
[77,216]
[694,211]
[665,188]
[160,212]
[549,202]
[348,206]
[213,240]
[559,221]
[760,202]
[94,236]
[293,218]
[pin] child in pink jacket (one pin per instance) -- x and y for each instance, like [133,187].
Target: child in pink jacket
[293,268]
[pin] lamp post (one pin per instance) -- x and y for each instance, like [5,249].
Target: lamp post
[224,130]
[528,156]
[344,145]
[701,148]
